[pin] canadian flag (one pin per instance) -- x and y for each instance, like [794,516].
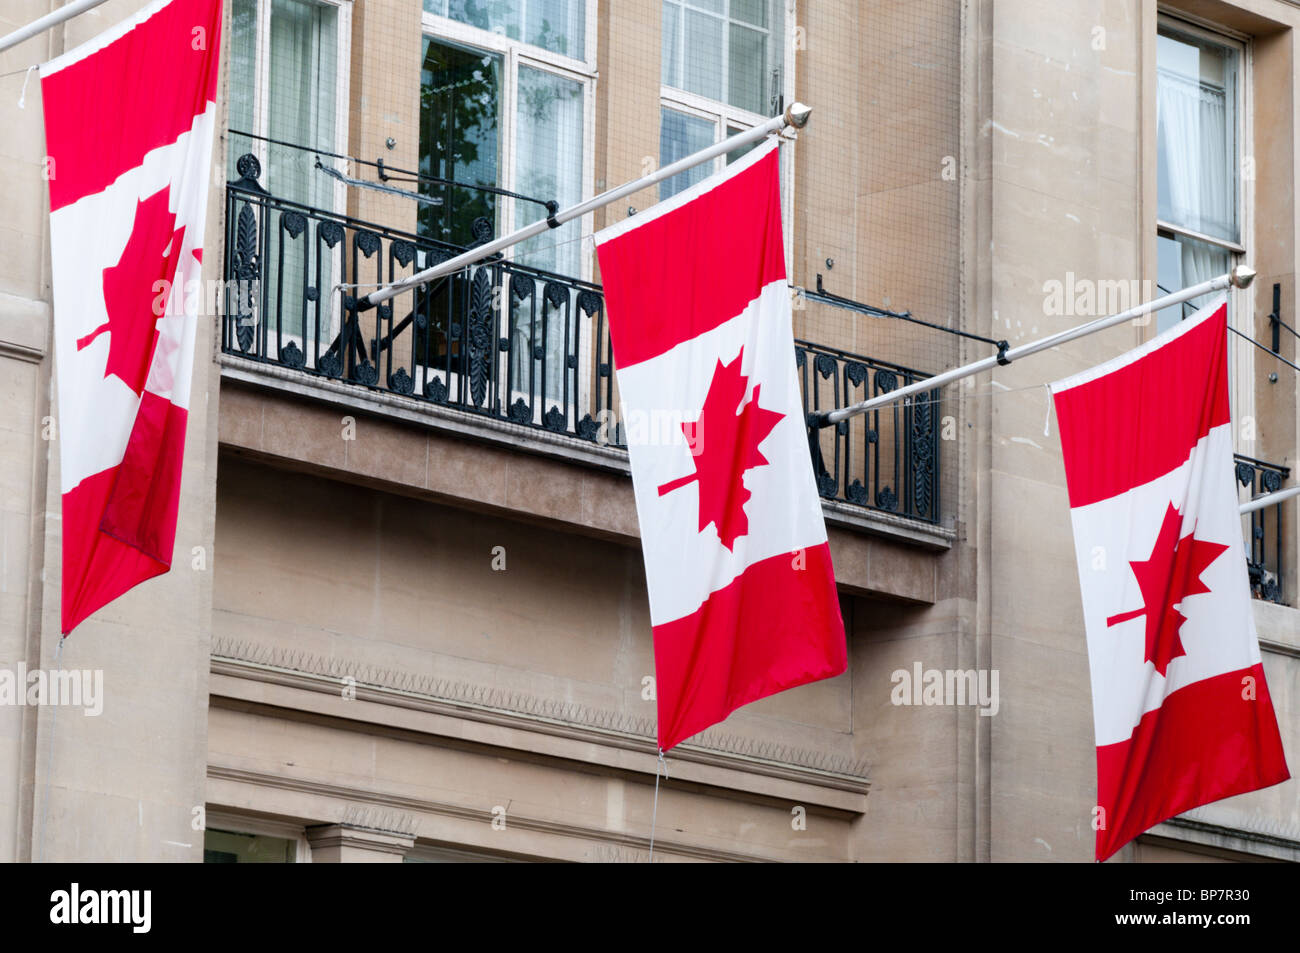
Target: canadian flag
[128,133]
[1180,705]
[742,592]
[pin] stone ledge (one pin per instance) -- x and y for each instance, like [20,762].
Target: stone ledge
[24,327]
[503,433]
[1271,840]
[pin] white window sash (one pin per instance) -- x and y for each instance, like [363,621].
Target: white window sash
[514,55]
[1242,308]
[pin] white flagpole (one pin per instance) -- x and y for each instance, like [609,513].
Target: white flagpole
[1268,499]
[54,18]
[1239,277]
[795,115]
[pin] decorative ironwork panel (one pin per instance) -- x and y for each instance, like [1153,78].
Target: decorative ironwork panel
[887,459]
[501,339]
[1266,531]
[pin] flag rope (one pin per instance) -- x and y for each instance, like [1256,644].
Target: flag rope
[22,96]
[654,814]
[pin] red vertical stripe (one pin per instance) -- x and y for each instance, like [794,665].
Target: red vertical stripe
[1130,426]
[96,567]
[119,526]
[104,113]
[689,270]
[1207,741]
[141,510]
[775,626]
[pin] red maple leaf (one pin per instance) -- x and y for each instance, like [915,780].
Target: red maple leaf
[131,290]
[724,443]
[1172,573]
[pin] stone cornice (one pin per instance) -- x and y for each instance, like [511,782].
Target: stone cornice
[324,836]
[711,758]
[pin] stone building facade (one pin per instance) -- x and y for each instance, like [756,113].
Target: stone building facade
[407,616]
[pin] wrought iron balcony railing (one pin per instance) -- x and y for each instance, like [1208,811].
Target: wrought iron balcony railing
[512,342]
[504,339]
[887,459]
[1264,548]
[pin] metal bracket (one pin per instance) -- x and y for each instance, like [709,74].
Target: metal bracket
[552,207]
[1002,353]
[1275,318]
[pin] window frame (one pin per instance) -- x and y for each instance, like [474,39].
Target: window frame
[723,114]
[262,86]
[1240,45]
[260,148]
[778,15]
[260,827]
[1241,301]
[514,54]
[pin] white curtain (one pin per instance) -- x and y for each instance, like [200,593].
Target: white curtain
[302,106]
[303,100]
[548,165]
[1199,188]
[243,79]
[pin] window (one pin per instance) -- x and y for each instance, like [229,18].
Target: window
[505,97]
[288,83]
[721,72]
[1199,123]
[558,26]
[460,138]
[231,847]
[723,50]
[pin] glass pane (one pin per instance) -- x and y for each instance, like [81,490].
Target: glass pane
[548,166]
[747,69]
[679,136]
[735,154]
[670,69]
[1196,135]
[243,77]
[460,92]
[730,57]
[302,109]
[753,12]
[303,100]
[556,25]
[228,847]
[1181,262]
[703,55]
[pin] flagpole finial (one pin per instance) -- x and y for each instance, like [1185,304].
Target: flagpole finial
[796,114]
[1242,276]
